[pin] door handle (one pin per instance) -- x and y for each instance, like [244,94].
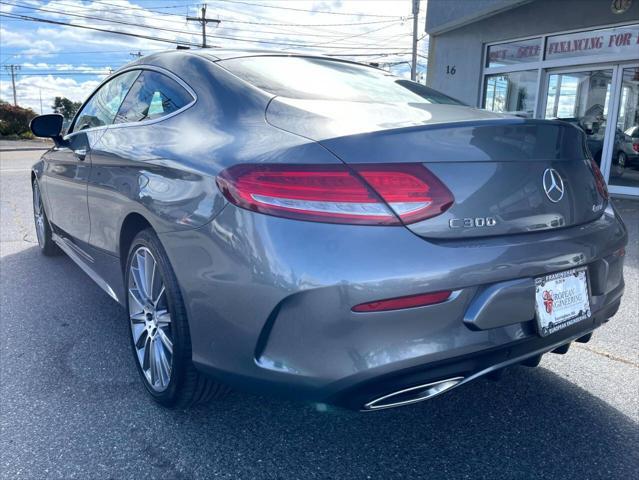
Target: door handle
[80,154]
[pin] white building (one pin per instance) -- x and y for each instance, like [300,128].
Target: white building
[572,59]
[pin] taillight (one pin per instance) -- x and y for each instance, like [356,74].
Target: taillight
[635,147]
[411,301]
[369,194]
[600,182]
[411,190]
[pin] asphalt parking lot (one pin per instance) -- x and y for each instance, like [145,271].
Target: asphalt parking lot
[71,405]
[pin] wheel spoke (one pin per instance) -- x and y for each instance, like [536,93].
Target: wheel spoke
[135,300]
[138,318]
[159,364]
[166,341]
[164,365]
[163,318]
[159,296]
[138,332]
[142,340]
[142,275]
[38,214]
[37,204]
[153,361]
[149,274]
[136,276]
[146,350]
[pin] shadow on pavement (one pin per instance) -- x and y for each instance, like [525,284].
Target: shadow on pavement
[79,394]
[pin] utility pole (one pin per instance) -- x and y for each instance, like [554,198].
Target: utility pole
[13,69]
[203,21]
[413,67]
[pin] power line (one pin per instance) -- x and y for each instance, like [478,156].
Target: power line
[115,32]
[251,40]
[252,4]
[57,74]
[22,17]
[85,52]
[252,31]
[248,22]
[353,36]
[224,37]
[203,21]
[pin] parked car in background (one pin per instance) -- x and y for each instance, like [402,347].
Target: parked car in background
[595,136]
[313,228]
[628,151]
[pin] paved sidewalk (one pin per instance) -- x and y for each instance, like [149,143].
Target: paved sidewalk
[24,145]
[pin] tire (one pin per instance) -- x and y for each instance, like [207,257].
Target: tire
[43,229]
[620,164]
[160,339]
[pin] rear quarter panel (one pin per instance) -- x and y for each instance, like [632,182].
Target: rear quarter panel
[166,171]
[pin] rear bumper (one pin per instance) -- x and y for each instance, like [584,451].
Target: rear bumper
[269,301]
[471,366]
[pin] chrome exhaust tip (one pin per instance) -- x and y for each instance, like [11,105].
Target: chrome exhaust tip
[412,394]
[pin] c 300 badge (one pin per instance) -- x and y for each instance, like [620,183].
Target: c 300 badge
[477,222]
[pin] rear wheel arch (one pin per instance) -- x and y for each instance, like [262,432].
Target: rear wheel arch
[133,224]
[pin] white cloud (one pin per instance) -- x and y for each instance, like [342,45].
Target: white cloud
[364,35]
[65,67]
[29,89]
[390,34]
[31,43]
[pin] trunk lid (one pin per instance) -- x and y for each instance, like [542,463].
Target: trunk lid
[508,175]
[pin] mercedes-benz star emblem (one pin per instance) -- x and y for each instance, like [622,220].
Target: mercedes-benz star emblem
[553,185]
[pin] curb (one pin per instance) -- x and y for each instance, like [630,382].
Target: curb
[25,149]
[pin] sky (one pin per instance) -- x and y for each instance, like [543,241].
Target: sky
[58,57]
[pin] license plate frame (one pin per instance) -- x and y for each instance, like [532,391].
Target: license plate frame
[559,300]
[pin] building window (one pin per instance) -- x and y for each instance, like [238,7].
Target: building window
[579,95]
[608,41]
[514,92]
[522,51]
[562,96]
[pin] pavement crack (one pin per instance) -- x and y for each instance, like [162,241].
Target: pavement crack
[609,355]
[25,239]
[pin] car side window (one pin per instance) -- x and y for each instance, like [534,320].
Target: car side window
[103,106]
[152,96]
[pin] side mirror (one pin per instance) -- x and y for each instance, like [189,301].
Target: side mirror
[48,126]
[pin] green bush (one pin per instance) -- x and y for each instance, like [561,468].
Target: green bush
[14,121]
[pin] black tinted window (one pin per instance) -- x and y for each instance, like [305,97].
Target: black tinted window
[153,95]
[104,104]
[320,78]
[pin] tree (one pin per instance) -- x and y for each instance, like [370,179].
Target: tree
[65,107]
[14,121]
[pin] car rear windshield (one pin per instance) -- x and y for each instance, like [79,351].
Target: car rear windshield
[319,78]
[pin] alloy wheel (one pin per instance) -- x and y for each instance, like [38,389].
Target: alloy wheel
[622,160]
[620,164]
[150,319]
[38,214]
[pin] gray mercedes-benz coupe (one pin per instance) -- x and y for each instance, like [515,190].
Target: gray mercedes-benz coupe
[323,230]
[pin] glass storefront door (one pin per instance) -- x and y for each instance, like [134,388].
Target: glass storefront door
[582,98]
[604,102]
[625,153]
